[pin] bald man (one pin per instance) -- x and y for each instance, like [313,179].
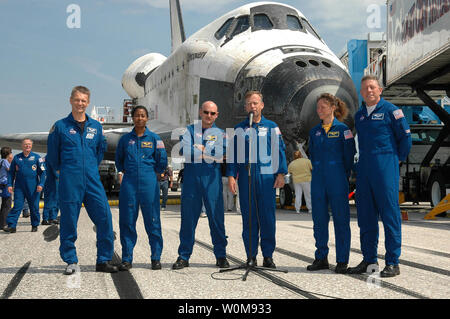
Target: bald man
[203,147]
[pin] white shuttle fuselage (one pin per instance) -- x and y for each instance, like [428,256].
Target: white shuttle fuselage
[265,46]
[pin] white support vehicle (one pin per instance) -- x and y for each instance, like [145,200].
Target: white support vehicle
[415,70]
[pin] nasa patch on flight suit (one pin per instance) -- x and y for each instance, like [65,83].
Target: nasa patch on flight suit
[147,145]
[90,136]
[34,167]
[334,134]
[72,131]
[378,116]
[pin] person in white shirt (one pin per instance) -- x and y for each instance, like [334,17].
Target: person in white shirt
[300,169]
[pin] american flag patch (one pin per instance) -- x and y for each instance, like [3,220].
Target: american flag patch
[277,130]
[348,134]
[398,114]
[160,144]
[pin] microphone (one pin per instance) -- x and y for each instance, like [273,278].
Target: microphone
[250,119]
[250,122]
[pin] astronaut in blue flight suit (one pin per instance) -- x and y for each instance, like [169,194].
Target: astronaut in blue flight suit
[203,146]
[26,178]
[332,150]
[50,212]
[75,147]
[140,155]
[268,167]
[384,140]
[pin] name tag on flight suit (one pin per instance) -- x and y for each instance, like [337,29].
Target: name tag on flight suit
[146,145]
[262,131]
[378,116]
[333,134]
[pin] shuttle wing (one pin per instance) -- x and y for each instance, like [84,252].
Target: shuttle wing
[113,135]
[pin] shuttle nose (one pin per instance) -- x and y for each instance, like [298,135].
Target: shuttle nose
[291,90]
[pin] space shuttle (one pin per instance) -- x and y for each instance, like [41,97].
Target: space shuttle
[266,46]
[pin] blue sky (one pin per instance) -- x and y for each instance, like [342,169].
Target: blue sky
[41,59]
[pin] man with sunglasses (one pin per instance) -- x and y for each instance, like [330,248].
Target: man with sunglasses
[203,146]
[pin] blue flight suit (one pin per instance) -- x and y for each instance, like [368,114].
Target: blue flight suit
[332,155]
[264,169]
[140,158]
[77,154]
[50,194]
[384,138]
[202,183]
[25,174]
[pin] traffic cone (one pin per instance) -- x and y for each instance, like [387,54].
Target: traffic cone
[404,215]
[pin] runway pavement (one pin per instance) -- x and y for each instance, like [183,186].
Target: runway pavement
[30,266]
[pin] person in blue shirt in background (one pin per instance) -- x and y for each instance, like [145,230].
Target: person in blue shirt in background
[203,146]
[26,178]
[268,165]
[50,212]
[384,141]
[5,162]
[75,148]
[332,151]
[140,155]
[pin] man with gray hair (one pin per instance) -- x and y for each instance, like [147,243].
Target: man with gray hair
[26,178]
[384,141]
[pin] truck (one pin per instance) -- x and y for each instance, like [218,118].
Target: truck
[414,69]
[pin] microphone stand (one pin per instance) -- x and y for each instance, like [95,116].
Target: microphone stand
[251,264]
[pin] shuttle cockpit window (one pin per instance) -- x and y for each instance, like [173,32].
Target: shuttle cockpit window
[311,29]
[262,22]
[293,23]
[243,23]
[224,29]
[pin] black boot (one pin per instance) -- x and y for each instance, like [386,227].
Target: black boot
[341,268]
[268,262]
[361,268]
[318,264]
[390,271]
[124,266]
[156,265]
[9,230]
[180,264]
[222,263]
[251,262]
[106,267]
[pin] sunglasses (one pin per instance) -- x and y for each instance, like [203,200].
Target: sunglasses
[207,113]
